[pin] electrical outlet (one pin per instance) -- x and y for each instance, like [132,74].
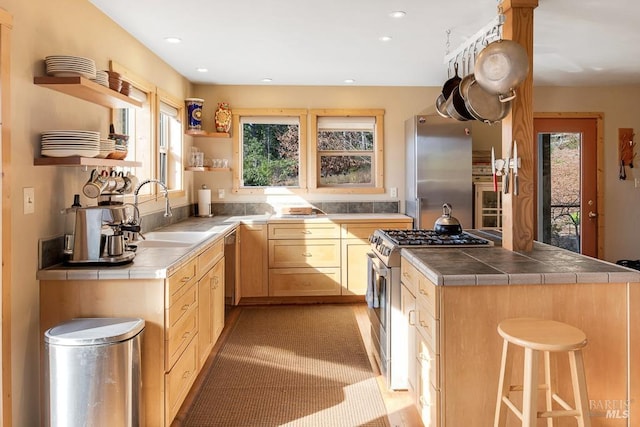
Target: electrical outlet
[220,193]
[394,192]
[29,200]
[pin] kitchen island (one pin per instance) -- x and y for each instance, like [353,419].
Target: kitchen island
[460,296]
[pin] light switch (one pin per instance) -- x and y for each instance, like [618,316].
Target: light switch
[29,200]
[220,193]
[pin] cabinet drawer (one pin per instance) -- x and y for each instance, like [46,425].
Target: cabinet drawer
[304,231]
[428,293]
[427,326]
[409,275]
[185,300]
[210,256]
[178,336]
[428,404]
[304,281]
[182,276]
[178,381]
[428,362]
[304,253]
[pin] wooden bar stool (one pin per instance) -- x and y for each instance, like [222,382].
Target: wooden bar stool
[537,335]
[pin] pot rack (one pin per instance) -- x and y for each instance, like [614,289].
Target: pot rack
[488,33]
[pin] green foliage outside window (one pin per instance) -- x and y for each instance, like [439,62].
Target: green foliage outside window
[270,155]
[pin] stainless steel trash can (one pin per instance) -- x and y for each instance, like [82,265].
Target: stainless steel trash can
[92,373]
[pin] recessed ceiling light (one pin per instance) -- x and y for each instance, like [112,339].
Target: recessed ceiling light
[267,80]
[397,14]
[202,70]
[385,38]
[173,40]
[349,81]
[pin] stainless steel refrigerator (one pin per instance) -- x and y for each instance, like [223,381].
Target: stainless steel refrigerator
[438,169]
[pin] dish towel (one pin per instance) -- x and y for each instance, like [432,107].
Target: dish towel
[373,292]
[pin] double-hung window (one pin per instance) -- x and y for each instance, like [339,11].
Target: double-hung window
[169,154]
[347,146]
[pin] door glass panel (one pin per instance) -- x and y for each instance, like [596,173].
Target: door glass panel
[559,192]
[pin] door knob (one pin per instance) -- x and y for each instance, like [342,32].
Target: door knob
[592,214]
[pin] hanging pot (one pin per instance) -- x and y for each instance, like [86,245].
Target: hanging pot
[482,105]
[501,67]
[440,107]
[450,84]
[447,224]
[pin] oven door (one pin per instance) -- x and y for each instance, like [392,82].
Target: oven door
[378,277]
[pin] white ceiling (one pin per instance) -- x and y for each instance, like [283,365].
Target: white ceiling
[304,42]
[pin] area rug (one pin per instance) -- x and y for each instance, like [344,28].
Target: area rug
[302,365]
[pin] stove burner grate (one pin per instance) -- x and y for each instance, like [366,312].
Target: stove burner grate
[417,237]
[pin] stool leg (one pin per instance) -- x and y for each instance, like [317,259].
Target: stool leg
[550,388]
[530,389]
[500,419]
[579,387]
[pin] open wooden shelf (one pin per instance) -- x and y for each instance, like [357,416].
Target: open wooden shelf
[88,90]
[204,134]
[83,161]
[206,169]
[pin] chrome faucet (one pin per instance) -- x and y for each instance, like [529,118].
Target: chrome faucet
[134,225]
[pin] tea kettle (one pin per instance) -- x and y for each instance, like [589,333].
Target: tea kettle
[447,224]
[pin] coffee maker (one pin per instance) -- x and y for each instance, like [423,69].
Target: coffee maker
[98,236]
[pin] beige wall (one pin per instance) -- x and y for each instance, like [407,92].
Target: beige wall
[42,28]
[75,27]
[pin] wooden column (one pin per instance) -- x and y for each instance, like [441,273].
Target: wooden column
[518,211]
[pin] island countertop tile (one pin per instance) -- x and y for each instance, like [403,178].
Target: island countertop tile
[495,265]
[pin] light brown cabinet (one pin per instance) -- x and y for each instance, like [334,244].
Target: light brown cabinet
[253,259]
[184,315]
[210,301]
[304,259]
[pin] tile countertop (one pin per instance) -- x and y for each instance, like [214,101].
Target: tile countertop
[498,266]
[160,262]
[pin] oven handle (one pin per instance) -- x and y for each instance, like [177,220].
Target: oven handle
[377,265]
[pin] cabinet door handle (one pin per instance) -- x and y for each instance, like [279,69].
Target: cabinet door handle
[412,317]
[307,255]
[186,375]
[306,231]
[185,335]
[185,307]
[185,279]
[425,356]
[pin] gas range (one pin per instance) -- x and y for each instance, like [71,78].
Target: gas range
[386,244]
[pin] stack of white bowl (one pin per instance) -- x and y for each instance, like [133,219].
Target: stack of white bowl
[107,146]
[70,66]
[102,78]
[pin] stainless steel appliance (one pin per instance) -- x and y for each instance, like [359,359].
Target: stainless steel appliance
[383,293]
[98,236]
[438,169]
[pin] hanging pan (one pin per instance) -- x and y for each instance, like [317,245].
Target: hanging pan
[501,67]
[483,105]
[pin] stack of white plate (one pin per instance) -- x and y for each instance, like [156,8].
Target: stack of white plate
[102,78]
[70,66]
[67,143]
[107,146]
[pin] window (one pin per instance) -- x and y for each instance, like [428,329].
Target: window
[169,152]
[155,134]
[347,147]
[270,150]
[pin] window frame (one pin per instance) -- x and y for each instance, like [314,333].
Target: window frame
[237,115]
[149,151]
[377,172]
[173,165]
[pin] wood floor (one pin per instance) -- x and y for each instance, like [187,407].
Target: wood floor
[400,409]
